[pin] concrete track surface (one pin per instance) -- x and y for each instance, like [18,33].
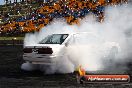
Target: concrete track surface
[11,76]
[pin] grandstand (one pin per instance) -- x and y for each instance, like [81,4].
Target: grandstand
[31,15]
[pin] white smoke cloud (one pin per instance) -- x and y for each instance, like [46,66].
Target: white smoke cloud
[96,55]
[57,26]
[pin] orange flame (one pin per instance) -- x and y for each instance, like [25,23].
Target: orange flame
[81,71]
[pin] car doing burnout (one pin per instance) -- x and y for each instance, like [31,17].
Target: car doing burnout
[52,47]
[46,50]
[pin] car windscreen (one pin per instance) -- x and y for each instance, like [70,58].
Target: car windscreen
[54,39]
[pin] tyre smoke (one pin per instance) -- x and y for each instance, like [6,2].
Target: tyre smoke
[106,48]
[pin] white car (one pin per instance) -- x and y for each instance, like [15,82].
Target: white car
[46,50]
[52,47]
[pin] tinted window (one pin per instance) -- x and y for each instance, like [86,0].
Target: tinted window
[54,39]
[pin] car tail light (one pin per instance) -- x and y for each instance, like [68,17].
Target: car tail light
[45,51]
[27,50]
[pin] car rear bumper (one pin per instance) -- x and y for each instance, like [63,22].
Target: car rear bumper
[41,58]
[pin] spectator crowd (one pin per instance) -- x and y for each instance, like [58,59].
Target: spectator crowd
[71,10]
